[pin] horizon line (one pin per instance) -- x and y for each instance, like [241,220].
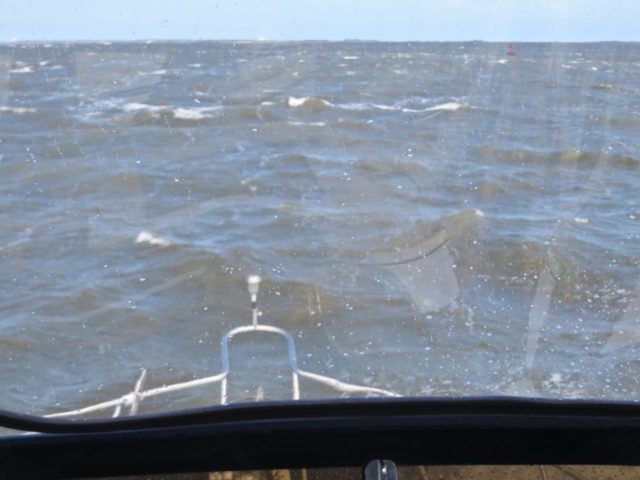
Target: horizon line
[264,40]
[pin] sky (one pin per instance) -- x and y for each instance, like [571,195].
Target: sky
[395,20]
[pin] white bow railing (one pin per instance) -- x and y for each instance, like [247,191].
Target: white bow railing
[132,400]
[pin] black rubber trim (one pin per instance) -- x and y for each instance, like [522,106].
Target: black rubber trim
[333,434]
[372,408]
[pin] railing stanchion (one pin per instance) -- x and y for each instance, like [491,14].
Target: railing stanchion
[296,386]
[137,397]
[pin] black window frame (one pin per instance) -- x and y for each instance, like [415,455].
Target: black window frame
[327,434]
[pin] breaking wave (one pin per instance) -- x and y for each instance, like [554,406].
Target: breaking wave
[316,103]
[312,103]
[17,110]
[147,238]
[144,112]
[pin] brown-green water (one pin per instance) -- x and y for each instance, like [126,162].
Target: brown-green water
[429,218]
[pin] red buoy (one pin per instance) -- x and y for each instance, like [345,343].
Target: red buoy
[511,51]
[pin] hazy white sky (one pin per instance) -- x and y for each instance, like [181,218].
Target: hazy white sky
[501,20]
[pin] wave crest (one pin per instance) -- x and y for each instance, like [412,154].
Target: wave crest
[143,111]
[312,103]
[568,157]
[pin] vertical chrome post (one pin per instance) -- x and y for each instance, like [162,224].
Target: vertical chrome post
[254,287]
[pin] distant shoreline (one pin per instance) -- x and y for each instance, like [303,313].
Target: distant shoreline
[43,42]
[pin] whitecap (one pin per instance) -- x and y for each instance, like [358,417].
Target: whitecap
[350,57]
[161,71]
[297,101]
[193,113]
[148,238]
[27,69]
[582,220]
[308,124]
[502,61]
[451,106]
[134,107]
[444,107]
[300,101]
[355,106]
[384,107]
[17,110]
